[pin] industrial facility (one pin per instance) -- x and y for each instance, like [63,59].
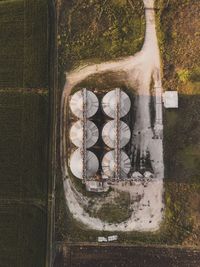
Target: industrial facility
[98,137]
[101,148]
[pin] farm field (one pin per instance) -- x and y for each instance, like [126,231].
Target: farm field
[119,255]
[24,177]
[24,149]
[23,47]
[24,132]
[22,230]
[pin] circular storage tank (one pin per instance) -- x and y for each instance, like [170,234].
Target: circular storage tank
[109,134]
[76,104]
[76,164]
[109,103]
[76,133]
[108,164]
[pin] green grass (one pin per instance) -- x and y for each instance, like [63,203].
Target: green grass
[182,126]
[98,30]
[115,211]
[180,53]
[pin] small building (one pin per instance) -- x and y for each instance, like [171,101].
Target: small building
[170,99]
[96,186]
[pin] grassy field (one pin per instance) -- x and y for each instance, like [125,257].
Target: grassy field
[24,132]
[105,36]
[96,30]
[181,60]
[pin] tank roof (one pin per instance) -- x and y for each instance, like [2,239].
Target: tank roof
[109,103]
[76,163]
[76,133]
[109,164]
[77,103]
[109,134]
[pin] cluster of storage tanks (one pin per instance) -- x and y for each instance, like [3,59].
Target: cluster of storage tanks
[85,126]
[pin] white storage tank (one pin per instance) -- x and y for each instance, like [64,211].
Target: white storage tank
[109,134]
[76,164]
[77,103]
[109,103]
[109,164]
[76,133]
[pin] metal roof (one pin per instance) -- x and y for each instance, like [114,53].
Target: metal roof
[170,99]
[109,103]
[76,133]
[76,163]
[109,134]
[77,103]
[109,164]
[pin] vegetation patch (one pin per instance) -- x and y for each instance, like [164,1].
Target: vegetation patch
[95,29]
[117,210]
